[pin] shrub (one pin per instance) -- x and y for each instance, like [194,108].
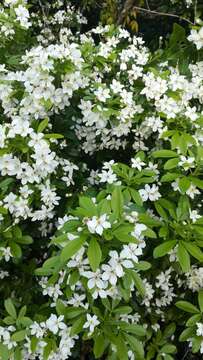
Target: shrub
[100,195]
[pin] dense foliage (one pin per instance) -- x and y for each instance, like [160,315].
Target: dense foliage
[101,158]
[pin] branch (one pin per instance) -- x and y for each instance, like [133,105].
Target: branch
[162,14]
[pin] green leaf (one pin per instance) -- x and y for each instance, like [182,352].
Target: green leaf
[19,335]
[169,330]
[123,234]
[136,197]
[184,184]
[53,136]
[164,248]
[136,346]
[43,272]
[135,329]
[77,325]
[197,182]
[188,307]
[117,201]
[194,250]
[196,343]
[18,354]
[168,349]
[149,233]
[183,257]
[88,205]
[123,310]
[164,154]
[16,250]
[160,211]
[60,307]
[10,308]
[4,352]
[200,300]
[25,321]
[9,320]
[177,36]
[187,334]
[148,220]
[42,125]
[99,346]
[142,265]
[72,312]
[183,207]
[193,320]
[22,311]
[94,254]
[138,283]
[168,177]
[122,351]
[71,248]
[25,240]
[171,164]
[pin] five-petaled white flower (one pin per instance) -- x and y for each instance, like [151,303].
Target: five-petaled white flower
[137,163]
[91,323]
[98,224]
[54,323]
[151,193]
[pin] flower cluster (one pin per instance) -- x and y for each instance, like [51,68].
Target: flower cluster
[101,157]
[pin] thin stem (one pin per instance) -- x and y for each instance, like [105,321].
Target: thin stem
[147,4]
[195,11]
[162,14]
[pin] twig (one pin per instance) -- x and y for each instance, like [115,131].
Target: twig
[162,14]
[147,4]
[184,357]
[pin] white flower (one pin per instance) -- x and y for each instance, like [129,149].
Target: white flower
[98,224]
[131,355]
[137,232]
[186,163]
[116,86]
[6,252]
[195,278]
[109,274]
[107,176]
[102,94]
[191,113]
[199,331]
[194,216]
[197,37]
[201,348]
[131,251]
[192,191]
[137,163]
[37,329]
[91,323]
[55,324]
[117,263]
[150,193]
[23,16]
[95,279]
[77,301]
